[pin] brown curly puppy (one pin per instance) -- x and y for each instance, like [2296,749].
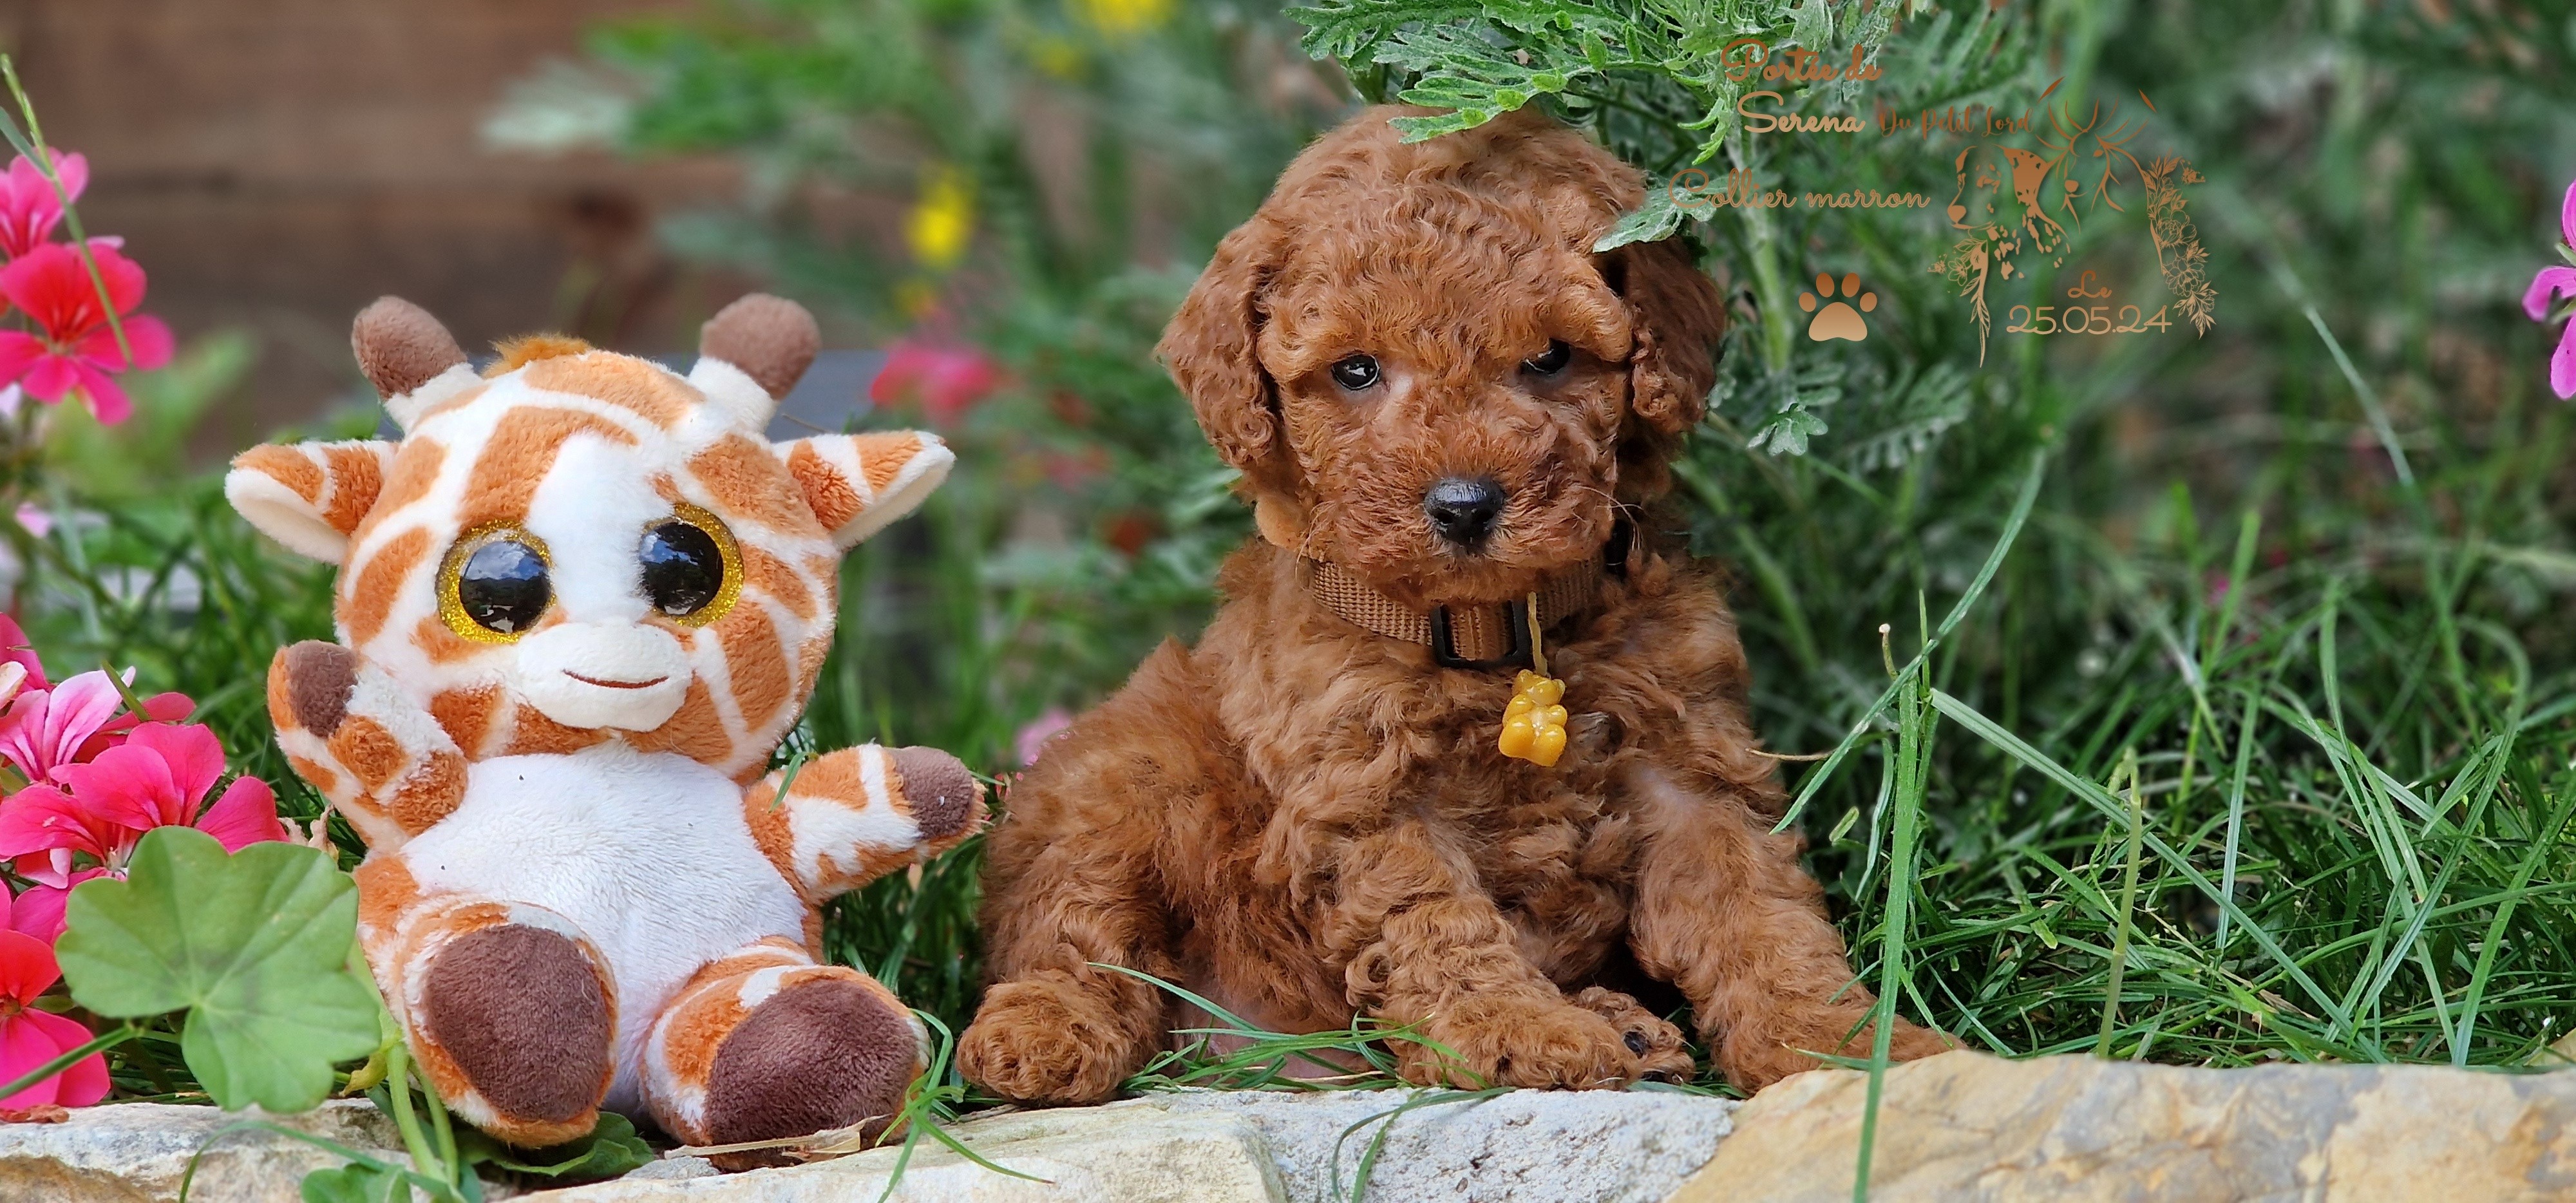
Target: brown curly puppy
[1442,402]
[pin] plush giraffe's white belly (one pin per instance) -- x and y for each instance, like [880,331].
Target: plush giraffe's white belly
[647,854]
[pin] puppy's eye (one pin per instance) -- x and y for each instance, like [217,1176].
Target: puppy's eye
[1550,361]
[1356,372]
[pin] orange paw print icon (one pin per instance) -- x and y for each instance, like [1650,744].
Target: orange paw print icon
[1837,320]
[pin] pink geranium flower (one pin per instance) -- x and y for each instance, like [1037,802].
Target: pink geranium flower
[158,777]
[1032,738]
[947,380]
[29,1038]
[29,207]
[47,728]
[75,351]
[2551,284]
[16,649]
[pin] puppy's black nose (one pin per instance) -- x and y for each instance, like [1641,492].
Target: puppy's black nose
[1462,510]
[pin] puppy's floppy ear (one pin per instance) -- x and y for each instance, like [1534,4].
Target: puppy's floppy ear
[1209,348]
[1677,315]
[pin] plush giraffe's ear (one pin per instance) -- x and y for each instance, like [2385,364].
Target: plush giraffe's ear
[750,353]
[309,496]
[411,359]
[857,483]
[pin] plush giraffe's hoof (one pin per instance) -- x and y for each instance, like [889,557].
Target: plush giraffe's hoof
[319,679]
[824,1053]
[523,1015]
[939,789]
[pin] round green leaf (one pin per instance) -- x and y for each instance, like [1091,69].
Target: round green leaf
[255,946]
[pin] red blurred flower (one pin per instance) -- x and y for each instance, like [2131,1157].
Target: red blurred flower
[946,380]
[29,209]
[76,351]
[2551,284]
[29,1038]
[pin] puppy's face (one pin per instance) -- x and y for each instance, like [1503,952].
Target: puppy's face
[1423,370]
[1452,401]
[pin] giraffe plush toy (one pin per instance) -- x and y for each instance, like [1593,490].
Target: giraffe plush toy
[580,601]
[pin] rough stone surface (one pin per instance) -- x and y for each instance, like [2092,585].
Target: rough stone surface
[673,1169]
[136,1153]
[1966,1126]
[1122,1152]
[1528,1146]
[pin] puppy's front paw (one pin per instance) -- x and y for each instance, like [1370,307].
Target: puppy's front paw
[1531,1040]
[1755,1058]
[1031,1043]
[1661,1055]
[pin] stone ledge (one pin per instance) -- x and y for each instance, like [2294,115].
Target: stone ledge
[1118,1152]
[1967,1126]
[1529,1146]
[137,1152]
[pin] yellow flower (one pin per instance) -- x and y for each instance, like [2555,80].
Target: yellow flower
[1118,18]
[1058,58]
[941,221]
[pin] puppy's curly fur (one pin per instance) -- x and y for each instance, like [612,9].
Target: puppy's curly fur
[1304,820]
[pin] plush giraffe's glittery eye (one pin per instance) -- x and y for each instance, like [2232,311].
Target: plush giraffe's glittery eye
[494,585]
[692,569]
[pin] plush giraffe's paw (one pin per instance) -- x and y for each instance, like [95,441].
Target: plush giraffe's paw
[1661,1055]
[823,1053]
[315,680]
[525,1019]
[946,801]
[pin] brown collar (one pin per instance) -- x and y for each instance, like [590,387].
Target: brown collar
[1496,635]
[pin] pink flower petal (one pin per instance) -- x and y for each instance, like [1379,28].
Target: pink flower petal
[85,1081]
[76,711]
[148,335]
[73,167]
[245,815]
[27,969]
[2567,215]
[52,284]
[24,1048]
[52,378]
[107,402]
[28,1040]
[39,910]
[194,754]
[41,818]
[129,786]
[2548,286]
[16,648]
[2562,365]
[19,353]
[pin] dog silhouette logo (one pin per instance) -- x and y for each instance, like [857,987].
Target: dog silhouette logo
[1838,320]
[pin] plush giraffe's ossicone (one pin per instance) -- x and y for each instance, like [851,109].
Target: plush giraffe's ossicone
[581,599]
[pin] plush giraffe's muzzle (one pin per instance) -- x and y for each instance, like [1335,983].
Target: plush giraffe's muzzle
[592,675]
